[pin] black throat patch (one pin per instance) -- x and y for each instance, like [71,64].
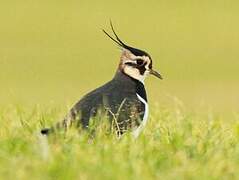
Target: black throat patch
[140,90]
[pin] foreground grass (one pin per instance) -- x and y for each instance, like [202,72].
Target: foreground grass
[175,145]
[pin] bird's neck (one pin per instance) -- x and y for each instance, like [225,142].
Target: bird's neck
[130,84]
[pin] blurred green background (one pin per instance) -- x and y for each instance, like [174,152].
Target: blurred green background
[52,52]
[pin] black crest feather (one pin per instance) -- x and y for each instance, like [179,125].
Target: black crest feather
[136,52]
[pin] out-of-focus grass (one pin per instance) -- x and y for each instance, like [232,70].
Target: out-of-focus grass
[52,52]
[175,145]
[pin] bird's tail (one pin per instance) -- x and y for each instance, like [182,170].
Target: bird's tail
[46,131]
[61,125]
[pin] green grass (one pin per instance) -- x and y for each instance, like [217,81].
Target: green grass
[53,52]
[175,145]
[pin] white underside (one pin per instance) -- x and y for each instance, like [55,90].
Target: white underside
[137,131]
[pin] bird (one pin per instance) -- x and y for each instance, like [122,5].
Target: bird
[123,99]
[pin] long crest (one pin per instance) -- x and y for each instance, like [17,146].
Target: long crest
[118,41]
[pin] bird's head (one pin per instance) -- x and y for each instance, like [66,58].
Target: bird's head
[134,62]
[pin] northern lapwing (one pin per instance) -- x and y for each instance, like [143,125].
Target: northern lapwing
[123,98]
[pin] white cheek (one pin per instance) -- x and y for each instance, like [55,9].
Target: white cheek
[134,73]
[142,77]
[146,73]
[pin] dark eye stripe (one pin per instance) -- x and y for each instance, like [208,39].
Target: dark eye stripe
[130,64]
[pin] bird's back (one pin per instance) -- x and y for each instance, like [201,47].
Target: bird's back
[117,98]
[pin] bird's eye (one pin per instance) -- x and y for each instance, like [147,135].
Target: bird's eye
[140,62]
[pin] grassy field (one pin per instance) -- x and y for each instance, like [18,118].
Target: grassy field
[52,53]
[175,145]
